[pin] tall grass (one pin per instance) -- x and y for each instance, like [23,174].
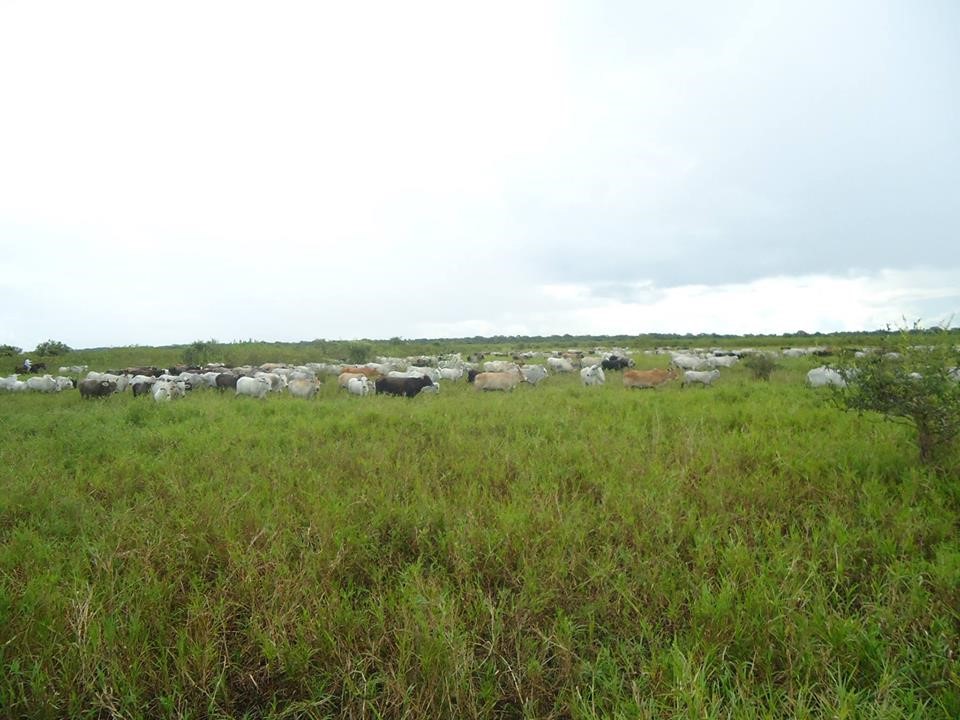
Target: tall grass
[741,551]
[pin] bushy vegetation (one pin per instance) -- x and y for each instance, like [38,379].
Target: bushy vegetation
[359,352]
[761,364]
[560,552]
[52,348]
[910,383]
[9,350]
[201,352]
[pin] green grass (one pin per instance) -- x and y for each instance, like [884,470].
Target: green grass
[744,551]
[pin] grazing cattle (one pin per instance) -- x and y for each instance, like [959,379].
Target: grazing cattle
[497,380]
[690,362]
[359,385]
[141,388]
[642,379]
[451,373]
[705,378]
[823,376]
[408,387]
[65,383]
[253,387]
[277,382]
[42,384]
[533,374]
[96,388]
[305,389]
[73,369]
[726,361]
[371,373]
[559,365]
[346,377]
[500,366]
[592,375]
[472,374]
[12,384]
[166,390]
[226,380]
[615,362]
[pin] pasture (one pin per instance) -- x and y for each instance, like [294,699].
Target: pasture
[739,551]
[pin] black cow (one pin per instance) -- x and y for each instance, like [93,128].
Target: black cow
[615,362]
[97,388]
[472,375]
[402,386]
[142,388]
[226,380]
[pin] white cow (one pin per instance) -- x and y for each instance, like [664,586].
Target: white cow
[451,373]
[359,385]
[42,384]
[705,378]
[493,366]
[305,389]
[275,381]
[533,374]
[689,362]
[63,383]
[559,364]
[166,390]
[823,376]
[718,361]
[253,387]
[592,375]
[497,380]
[419,371]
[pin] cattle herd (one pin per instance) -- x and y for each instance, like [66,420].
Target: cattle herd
[406,377]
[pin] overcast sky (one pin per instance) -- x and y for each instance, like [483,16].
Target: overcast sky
[289,171]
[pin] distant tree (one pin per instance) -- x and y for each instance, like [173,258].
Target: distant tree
[9,350]
[52,347]
[761,365]
[909,379]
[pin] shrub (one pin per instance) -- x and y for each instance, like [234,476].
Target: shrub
[9,350]
[761,365]
[200,352]
[52,347]
[915,384]
[358,352]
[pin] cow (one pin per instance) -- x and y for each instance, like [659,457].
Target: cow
[615,362]
[533,374]
[592,375]
[42,384]
[226,380]
[277,382]
[689,362]
[359,385]
[642,379]
[823,376]
[96,388]
[499,366]
[345,377]
[408,387]
[472,374]
[497,380]
[253,387]
[141,387]
[450,373]
[705,378]
[371,373]
[559,365]
[166,390]
[305,389]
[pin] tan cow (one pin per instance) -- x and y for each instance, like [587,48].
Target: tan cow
[648,378]
[371,373]
[498,380]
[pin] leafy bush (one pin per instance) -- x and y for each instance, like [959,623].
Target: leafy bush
[761,365]
[915,384]
[200,352]
[52,347]
[9,350]
[358,352]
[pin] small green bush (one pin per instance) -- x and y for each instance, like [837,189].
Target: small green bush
[200,352]
[358,352]
[761,365]
[9,350]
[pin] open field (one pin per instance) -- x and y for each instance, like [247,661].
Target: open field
[740,551]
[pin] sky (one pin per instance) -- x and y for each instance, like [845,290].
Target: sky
[290,171]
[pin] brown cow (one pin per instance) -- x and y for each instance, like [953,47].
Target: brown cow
[371,373]
[648,378]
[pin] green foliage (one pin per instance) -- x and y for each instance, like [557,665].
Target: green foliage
[749,554]
[200,352]
[909,380]
[9,350]
[358,352]
[761,364]
[52,348]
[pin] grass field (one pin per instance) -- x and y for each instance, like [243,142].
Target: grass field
[560,552]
